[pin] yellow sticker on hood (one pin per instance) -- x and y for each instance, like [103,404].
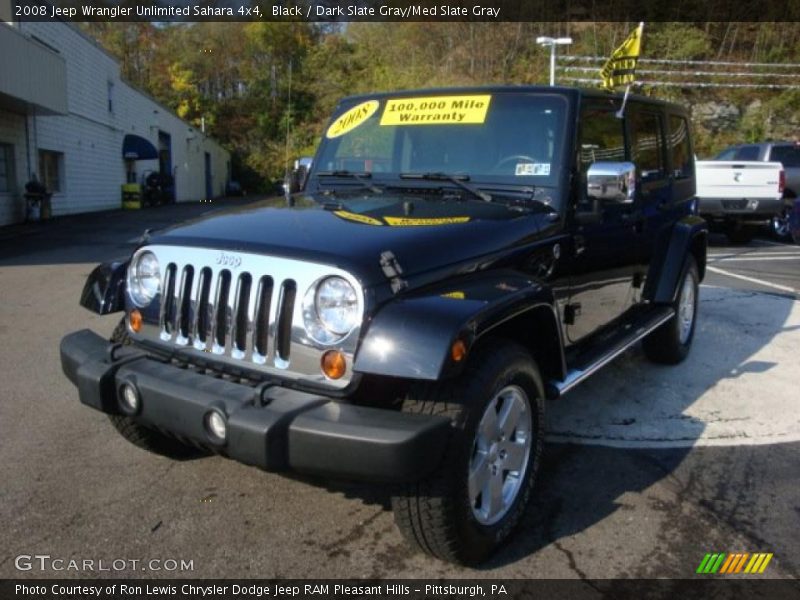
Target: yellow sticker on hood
[436,110]
[352,118]
[357,218]
[416,222]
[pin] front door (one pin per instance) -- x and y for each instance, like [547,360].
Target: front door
[605,235]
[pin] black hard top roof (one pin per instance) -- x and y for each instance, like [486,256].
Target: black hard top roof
[505,89]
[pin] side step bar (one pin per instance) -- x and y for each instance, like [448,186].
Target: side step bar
[633,334]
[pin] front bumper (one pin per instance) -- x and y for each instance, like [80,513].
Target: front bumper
[268,426]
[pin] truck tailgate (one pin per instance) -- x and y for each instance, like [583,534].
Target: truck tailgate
[738,179]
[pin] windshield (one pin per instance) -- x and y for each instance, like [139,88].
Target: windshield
[500,138]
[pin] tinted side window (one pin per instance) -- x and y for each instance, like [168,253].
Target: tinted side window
[647,145]
[602,135]
[747,153]
[679,149]
[789,156]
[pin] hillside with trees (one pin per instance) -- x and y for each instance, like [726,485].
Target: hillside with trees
[249,82]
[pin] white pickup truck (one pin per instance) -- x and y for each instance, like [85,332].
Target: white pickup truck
[738,197]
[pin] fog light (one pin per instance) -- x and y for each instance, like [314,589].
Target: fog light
[333,364]
[216,426]
[135,319]
[128,399]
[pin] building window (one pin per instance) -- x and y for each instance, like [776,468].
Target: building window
[110,89]
[51,169]
[7,183]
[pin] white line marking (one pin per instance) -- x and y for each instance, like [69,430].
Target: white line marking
[775,286]
[768,243]
[754,258]
[764,254]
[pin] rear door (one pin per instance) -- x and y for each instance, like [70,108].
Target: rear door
[646,125]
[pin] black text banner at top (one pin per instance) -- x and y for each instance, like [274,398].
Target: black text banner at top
[404,10]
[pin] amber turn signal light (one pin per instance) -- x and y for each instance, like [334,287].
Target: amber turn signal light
[135,320]
[334,364]
[458,351]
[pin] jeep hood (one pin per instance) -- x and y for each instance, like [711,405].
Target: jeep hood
[423,234]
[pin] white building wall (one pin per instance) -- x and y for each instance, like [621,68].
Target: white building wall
[90,136]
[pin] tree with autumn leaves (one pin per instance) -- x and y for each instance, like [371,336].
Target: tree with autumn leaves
[252,82]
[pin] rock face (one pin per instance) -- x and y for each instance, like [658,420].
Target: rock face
[716,116]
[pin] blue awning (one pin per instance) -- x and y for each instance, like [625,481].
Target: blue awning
[135,147]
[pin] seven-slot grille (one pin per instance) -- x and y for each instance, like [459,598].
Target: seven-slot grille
[226,312]
[243,310]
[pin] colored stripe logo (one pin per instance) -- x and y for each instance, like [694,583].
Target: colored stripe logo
[734,563]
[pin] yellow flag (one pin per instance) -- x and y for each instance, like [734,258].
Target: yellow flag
[620,69]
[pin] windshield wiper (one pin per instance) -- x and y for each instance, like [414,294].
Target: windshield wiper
[361,178]
[459,180]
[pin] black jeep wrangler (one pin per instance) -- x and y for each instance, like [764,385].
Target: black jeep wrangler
[456,258]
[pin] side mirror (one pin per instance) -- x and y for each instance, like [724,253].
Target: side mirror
[611,182]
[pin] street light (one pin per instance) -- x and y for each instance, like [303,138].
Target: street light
[553,42]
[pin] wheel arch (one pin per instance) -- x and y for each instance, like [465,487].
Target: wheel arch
[412,337]
[538,331]
[689,236]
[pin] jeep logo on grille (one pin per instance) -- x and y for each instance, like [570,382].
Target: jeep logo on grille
[229,260]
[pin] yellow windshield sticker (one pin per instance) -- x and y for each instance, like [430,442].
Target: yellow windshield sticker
[357,218]
[352,118]
[436,110]
[414,222]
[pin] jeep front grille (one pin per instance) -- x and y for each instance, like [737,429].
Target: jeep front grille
[240,309]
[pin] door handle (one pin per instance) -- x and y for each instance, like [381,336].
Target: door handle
[579,243]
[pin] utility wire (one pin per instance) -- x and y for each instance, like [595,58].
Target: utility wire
[693,84]
[665,61]
[686,73]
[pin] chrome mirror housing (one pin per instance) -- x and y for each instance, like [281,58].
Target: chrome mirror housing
[612,182]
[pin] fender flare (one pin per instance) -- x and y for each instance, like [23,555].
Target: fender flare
[411,337]
[104,290]
[689,235]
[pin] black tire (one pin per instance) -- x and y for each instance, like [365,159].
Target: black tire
[779,226]
[740,235]
[144,437]
[665,345]
[436,514]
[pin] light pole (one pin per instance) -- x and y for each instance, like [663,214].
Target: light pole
[553,42]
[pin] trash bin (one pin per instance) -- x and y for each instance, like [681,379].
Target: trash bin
[131,196]
[46,210]
[33,206]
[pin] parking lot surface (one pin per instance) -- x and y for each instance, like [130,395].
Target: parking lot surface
[647,468]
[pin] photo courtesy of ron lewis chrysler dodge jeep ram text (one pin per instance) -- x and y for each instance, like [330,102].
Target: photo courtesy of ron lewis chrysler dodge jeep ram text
[455,259]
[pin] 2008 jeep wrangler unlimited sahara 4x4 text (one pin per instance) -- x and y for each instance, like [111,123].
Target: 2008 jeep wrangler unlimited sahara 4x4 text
[456,258]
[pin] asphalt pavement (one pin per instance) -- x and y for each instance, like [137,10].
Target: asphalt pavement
[647,468]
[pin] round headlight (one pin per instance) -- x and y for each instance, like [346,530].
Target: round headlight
[145,278]
[331,310]
[337,305]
